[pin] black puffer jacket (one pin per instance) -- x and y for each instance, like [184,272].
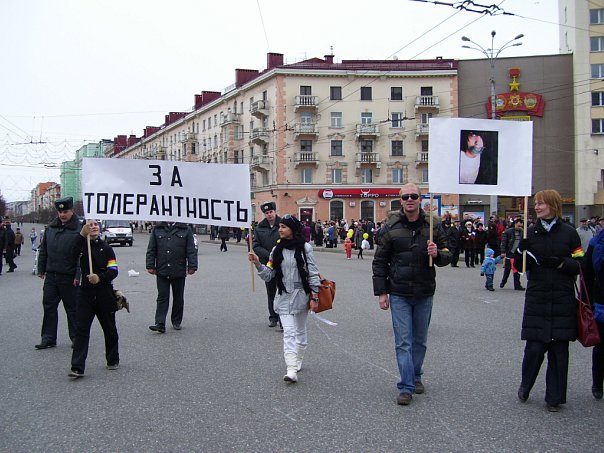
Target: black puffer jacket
[171,250]
[59,250]
[550,304]
[104,263]
[265,238]
[400,264]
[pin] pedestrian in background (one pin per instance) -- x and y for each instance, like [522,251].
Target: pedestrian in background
[57,265]
[32,237]
[488,268]
[223,234]
[171,257]
[9,245]
[18,241]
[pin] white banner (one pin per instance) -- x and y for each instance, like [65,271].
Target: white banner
[480,157]
[159,190]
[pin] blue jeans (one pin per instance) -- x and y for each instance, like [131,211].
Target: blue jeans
[410,321]
[489,282]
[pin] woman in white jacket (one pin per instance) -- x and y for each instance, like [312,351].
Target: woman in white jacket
[292,264]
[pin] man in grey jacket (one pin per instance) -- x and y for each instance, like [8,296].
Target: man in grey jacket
[171,256]
[266,235]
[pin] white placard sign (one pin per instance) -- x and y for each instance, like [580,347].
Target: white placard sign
[159,190]
[480,157]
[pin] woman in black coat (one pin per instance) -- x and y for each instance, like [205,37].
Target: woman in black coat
[549,321]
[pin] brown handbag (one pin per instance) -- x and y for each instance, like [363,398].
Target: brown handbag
[587,329]
[327,293]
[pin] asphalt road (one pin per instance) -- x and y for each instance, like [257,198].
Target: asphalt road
[216,385]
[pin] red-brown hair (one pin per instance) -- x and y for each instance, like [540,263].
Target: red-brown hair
[551,198]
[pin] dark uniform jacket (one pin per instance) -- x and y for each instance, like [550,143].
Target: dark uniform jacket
[9,238]
[59,250]
[507,241]
[265,238]
[550,304]
[400,264]
[171,250]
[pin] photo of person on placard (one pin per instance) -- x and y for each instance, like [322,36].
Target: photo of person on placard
[478,157]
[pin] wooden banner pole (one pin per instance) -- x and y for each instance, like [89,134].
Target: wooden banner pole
[524,234]
[430,263]
[249,245]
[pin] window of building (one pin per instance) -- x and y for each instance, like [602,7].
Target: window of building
[204,125]
[215,120]
[396,93]
[425,175]
[397,176]
[597,98]
[336,176]
[367,209]
[396,147]
[366,117]
[365,93]
[597,71]
[306,118]
[424,146]
[596,16]
[336,209]
[366,146]
[425,91]
[397,119]
[596,43]
[306,146]
[597,126]
[265,95]
[366,175]
[265,181]
[306,176]
[336,119]
[305,90]
[336,148]
[426,118]
[193,148]
[236,157]
[335,93]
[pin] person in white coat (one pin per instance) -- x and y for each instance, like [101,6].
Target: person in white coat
[292,265]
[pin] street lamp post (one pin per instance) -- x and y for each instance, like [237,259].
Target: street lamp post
[491,53]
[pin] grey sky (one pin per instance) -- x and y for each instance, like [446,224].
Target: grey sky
[76,71]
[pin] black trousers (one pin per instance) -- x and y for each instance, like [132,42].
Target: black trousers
[454,256]
[163,299]
[597,361]
[223,244]
[507,268]
[469,257]
[479,255]
[556,377]
[271,290]
[57,288]
[10,257]
[92,302]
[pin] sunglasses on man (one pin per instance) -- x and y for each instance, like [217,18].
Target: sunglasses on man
[413,196]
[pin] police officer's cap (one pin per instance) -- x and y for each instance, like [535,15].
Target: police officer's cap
[63,204]
[268,206]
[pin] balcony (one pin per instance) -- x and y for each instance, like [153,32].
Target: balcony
[306,157]
[189,137]
[259,109]
[230,118]
[368,158]
[259,136]
[260,163]
[422,158]
[306,129]
[368,130]
[160,154]
[421,129]
[306,101]
[427,102]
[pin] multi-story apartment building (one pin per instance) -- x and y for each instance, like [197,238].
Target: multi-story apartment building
[582,34]
[71,171]
[323,139]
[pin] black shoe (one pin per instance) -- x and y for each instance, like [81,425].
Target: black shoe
[597,393]
[522,396]
[491,289]
[553,407]
[75,373]
[158,328]
[520,288]
[454,265]
[501,285]
[10,270]
[272,323]
[45,345]
[176,326]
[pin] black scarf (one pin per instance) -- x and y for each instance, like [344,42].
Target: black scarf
[297,244]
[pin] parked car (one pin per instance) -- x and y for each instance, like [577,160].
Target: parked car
[117,231]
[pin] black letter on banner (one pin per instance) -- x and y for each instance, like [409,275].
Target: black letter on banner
[191,207]
[158,174]
[178,204]
[128,201]
[88,196]
[141,199]
[244,211]
[165,209]
[213,202]
[117,196]
[102,198]
[154,206]
[201,214]
[229,205]
[176,177]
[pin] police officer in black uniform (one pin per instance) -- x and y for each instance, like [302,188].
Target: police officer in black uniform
[57,265]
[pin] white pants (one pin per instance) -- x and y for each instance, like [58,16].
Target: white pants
[294,331]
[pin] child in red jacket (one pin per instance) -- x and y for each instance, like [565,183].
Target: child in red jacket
[348,247]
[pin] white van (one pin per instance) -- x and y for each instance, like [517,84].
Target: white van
[119,231]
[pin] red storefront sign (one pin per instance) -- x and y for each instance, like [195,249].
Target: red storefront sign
[360,192]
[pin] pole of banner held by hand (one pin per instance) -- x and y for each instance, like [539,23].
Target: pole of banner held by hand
[524,233]
[90,271]
[249,245]
[430,264]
